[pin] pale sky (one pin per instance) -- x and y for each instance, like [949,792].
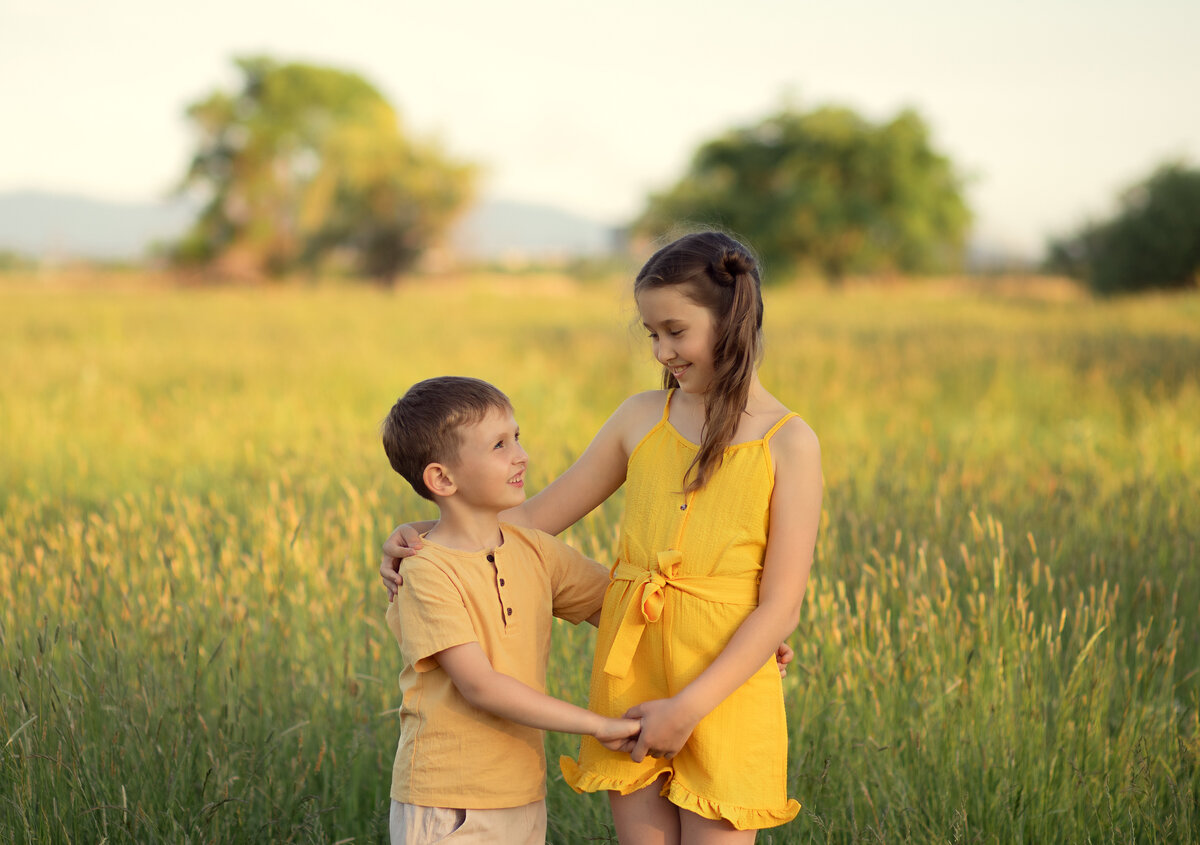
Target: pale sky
[1050,107]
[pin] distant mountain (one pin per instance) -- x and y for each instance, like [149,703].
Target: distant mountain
[502,229]
[49,225]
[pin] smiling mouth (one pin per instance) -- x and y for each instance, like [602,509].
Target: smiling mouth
[519,481]
[678,371]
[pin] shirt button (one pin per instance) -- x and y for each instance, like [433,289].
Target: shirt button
[501,582]
[683,507]
[509,611]
[491,558]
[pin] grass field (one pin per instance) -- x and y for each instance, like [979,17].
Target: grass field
[1001,640]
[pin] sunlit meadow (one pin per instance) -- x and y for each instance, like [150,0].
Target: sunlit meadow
[1001,640]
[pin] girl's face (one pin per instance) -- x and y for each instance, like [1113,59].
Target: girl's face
[682,333]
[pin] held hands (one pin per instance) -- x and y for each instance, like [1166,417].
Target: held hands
[618,734]
[402,542]
[666,726]
[667,723]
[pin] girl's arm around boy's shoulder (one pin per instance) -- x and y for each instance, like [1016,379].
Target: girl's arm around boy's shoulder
[597,473]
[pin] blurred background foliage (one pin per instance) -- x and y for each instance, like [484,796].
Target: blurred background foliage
[825,190]
[309,166]
[1152,241]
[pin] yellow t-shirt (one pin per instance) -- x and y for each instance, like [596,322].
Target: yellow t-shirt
[450,753]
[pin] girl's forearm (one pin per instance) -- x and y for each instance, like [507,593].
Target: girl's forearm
[752,645]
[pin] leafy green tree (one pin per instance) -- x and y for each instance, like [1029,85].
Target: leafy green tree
[306,165]
[1153,241]
[824,190]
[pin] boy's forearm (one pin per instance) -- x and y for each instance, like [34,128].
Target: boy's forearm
[505,696]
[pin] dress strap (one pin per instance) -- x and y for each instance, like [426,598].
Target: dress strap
[667,405]
[779,425]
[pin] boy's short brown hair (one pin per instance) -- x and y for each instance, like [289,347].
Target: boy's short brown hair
[422,427]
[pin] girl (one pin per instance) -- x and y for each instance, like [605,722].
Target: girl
[722,503]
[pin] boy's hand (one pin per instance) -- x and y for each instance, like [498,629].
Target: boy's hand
[619,734]
[402,542]
[783,656]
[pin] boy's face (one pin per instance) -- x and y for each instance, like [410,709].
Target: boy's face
[489,470]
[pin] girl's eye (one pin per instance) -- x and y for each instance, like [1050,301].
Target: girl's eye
[677,333]
[653,336]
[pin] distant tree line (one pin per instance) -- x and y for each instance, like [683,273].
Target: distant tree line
[307,168]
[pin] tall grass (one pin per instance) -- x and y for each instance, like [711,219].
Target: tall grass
[1000,641]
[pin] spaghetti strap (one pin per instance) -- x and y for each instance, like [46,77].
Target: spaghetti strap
[667,405]
[779,425]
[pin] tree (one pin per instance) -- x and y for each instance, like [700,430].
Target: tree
[825,190]
[305,165]
[1153,241]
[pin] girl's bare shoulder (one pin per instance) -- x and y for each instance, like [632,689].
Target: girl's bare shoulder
[637,415]
[795,441]
[640,407]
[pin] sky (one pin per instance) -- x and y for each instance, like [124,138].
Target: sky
[1048,109]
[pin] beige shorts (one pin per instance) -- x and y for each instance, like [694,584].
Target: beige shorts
[412,824]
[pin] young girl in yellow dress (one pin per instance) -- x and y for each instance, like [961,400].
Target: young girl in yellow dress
[722,503]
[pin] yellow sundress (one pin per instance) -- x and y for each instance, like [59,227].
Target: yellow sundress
[686,578]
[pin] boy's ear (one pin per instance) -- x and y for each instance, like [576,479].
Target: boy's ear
[437,479]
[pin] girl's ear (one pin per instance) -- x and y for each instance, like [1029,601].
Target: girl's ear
[437,479]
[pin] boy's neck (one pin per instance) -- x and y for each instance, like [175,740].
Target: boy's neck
[466,529]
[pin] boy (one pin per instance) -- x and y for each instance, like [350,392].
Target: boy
[473,621]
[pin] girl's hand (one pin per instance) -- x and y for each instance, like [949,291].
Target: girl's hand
[618,734]
[666,726]
[402,542]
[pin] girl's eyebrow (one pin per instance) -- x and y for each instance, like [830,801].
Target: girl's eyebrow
[670,321]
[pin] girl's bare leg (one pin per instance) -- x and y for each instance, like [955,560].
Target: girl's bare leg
[645,817]
[697,830]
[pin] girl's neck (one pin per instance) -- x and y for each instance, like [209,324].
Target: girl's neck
[756,395]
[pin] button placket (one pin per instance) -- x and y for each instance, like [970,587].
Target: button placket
[500,580]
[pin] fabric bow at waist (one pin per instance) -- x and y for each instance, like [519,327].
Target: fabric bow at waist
[646,602]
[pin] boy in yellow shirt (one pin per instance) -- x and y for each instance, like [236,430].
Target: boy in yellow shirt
[473,621]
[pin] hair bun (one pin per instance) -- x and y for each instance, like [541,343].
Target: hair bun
[729,265]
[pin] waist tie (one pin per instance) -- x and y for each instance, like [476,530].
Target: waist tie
[646,603]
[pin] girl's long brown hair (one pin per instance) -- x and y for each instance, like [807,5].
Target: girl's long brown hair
[720,274]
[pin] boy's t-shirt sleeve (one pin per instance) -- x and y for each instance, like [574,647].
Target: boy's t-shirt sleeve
[428,615]
[577,582]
